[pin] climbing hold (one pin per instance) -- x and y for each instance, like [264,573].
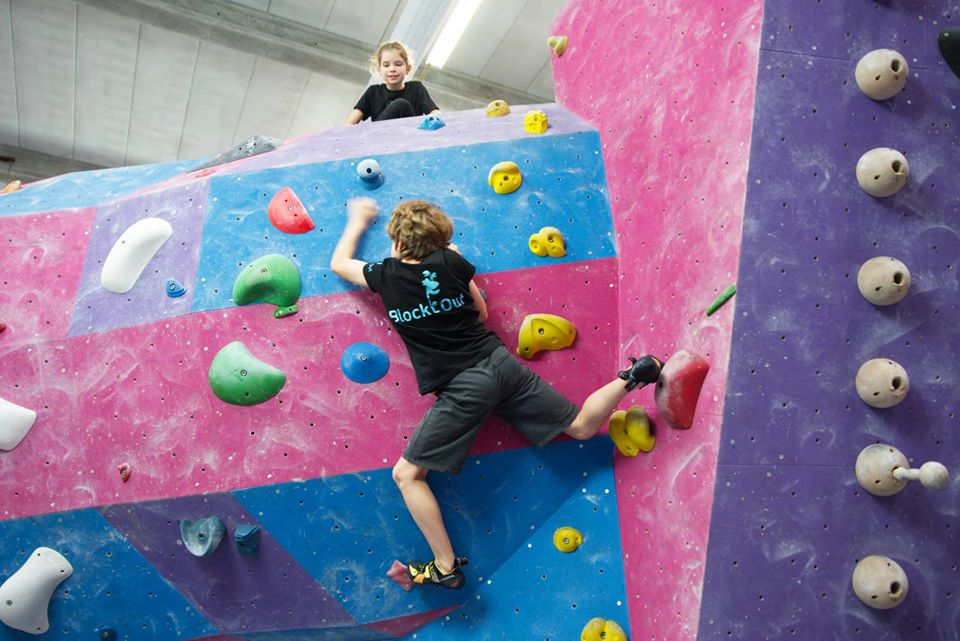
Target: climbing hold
[679,388]
[497,108]
[882,74]
[880,582]
[288,214]
[237,377]
[399,573]
[25,596]
[558,44]
[201,537]
[125,471]
[252,146]
[547,242]
[535,122]
[269,279]
[175,288]
[882,172]
[131,253]
[724,296]
[883,280]
[247,538]
[883,470]
[600,629]
[949,43]
[567,539]
[12,186]
[631,431]
[431,123]
[15,422]
[544,332]
[882,383]
[370,175]
[3,327]
[505,177]
[108,634]
[364,362]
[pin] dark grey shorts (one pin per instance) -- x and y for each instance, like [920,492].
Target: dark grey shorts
[499,384]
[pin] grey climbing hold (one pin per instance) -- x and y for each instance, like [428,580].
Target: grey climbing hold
[252,146]
[201,537]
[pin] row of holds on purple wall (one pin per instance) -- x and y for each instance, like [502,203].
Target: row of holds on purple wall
[881,469]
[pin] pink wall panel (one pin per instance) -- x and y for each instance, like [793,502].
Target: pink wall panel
[40,262]
[140,395]
[670,86]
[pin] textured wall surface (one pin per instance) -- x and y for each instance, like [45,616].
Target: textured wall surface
[122,378]
[790,520]
[670,86]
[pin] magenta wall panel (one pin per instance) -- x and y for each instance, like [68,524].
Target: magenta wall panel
[670,86]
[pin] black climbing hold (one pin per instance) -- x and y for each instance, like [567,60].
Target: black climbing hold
[949,43]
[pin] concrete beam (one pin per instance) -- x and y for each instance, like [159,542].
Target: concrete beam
[17,163]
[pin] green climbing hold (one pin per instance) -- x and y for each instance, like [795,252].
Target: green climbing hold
[238,377]
[269,279]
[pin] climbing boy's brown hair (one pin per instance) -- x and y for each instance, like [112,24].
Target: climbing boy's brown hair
[419,228]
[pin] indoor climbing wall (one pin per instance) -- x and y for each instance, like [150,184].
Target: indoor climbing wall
[119,381]
[670,86]
[790,520]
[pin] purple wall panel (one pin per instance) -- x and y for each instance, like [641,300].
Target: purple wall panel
[790,521]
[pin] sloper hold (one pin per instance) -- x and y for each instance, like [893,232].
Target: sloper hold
[544,332]
[252,146]
[131,252]
[288,214]
[949,43]
[364,362]
[679,388]
[15,422]
[201,537]
[269,279]
[237,377]
[25,596]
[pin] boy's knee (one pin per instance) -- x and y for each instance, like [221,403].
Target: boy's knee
[405,472]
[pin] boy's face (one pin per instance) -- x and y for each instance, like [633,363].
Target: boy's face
[393,68]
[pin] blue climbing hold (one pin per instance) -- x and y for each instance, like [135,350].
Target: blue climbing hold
[201,537]
[364,362]
[247,538]
[175,289]
[108,634]
[370,175]
[432,123]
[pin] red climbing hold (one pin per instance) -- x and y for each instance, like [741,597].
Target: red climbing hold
[679,388]
[399,573]
[288,214]
[3,327]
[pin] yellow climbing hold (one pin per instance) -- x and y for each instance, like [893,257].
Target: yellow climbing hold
[498,108]
[630,431]
[544,332]
[558,44]
[567,539]
[535,122]
[547,242]
[600,629]
[505,177]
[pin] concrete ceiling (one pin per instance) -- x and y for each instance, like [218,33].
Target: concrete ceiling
[105,83]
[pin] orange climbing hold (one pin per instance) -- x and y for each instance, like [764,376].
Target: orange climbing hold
[288,214]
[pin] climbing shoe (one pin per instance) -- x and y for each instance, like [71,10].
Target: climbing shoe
[430,574]
[643,370]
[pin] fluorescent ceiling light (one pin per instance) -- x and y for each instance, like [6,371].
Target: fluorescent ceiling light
[453,28]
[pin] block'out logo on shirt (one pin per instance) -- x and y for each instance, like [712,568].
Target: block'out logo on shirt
[433,306]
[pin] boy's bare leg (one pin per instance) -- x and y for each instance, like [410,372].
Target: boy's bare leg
[423,507]
[596,410]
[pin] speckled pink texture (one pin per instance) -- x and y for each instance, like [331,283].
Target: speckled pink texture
[670,86]
[140,395]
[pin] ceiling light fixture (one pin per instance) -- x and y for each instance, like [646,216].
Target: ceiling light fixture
[451,32]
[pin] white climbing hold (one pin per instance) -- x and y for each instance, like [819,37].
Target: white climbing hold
[15,422]
[25,596]
[131,253]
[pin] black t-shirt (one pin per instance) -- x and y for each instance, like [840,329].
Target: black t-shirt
[430,305]
[376,98]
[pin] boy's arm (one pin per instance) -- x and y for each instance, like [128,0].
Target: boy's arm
[355,116]
[360,213]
